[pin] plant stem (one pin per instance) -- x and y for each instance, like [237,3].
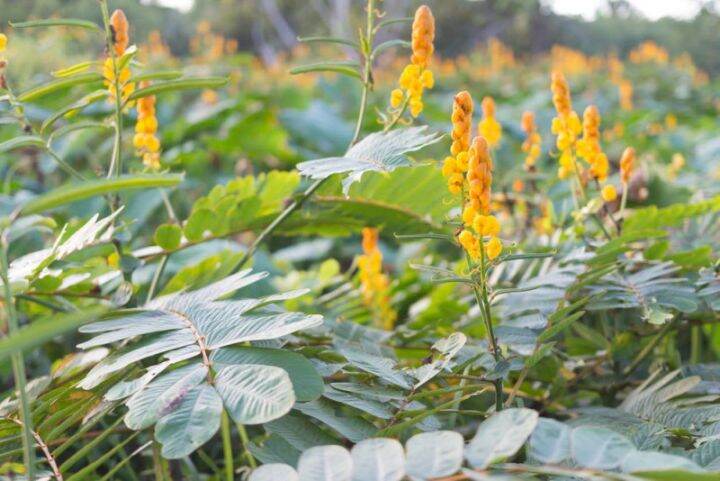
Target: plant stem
[18,365]
[366,43]
[246,446]
[227,447]
[648,348]
[156,277]
[695,344]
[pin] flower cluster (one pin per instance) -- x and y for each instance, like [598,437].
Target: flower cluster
[589,146]
[416,77]
[566,125]
[533,141]
[456,165]
[374,284]
[477,220]
[489,127]
[121,39]
[145,140]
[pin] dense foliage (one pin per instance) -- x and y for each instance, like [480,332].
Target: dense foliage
[362,263]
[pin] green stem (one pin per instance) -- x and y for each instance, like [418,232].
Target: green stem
[297,203]
[227,447]
[246,446]
[18,365]
[156,278]
[695,344]
[159,464]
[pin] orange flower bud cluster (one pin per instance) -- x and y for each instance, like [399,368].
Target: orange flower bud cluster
[457,164]
[374,284]
[589,146]
[423,35]
[415,77]
[489,127]
[145,139]
[566,126]
[478,221]
[121,39]
[627,164]
[532,144]
[120,31]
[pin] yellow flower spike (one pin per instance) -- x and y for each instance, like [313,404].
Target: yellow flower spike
[423,35]
[608,193]
[462,122]
[374,284]
[493,248]
[589,146]
[479,175]
[120,31]
[3,42]
[415,77]
[566,125]
[627,164]
[489,127]
[532,144]
[145,139]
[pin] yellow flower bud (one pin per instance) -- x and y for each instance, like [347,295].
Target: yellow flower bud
[609,193]
[493,248]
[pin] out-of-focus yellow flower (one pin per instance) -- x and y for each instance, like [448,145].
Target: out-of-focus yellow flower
[566,125]
[375,284]
[625,91]
[3,42]
[670,121]
[589,146]
[647,52]
[608,193]
[120,31]
[209,96]
[532,144]
[456,165]
[489,127]
[145,139]
[416,77]
[627,164]
[676,164]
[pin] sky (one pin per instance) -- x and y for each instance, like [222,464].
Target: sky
[652,9]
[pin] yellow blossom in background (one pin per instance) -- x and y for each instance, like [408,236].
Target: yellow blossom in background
[676,164]
[145,139]
[416,77]
[532,144]
[608,193]
[121,37]
[670,121]
[627,164]
[649,51]
[489,127]
[625,92]
[456,164]
[3,42]
[566,125]
[375,284]
[589,148]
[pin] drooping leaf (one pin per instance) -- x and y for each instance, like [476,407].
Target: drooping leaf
[381,152]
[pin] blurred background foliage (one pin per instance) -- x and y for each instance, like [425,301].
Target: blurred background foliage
[270,27]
